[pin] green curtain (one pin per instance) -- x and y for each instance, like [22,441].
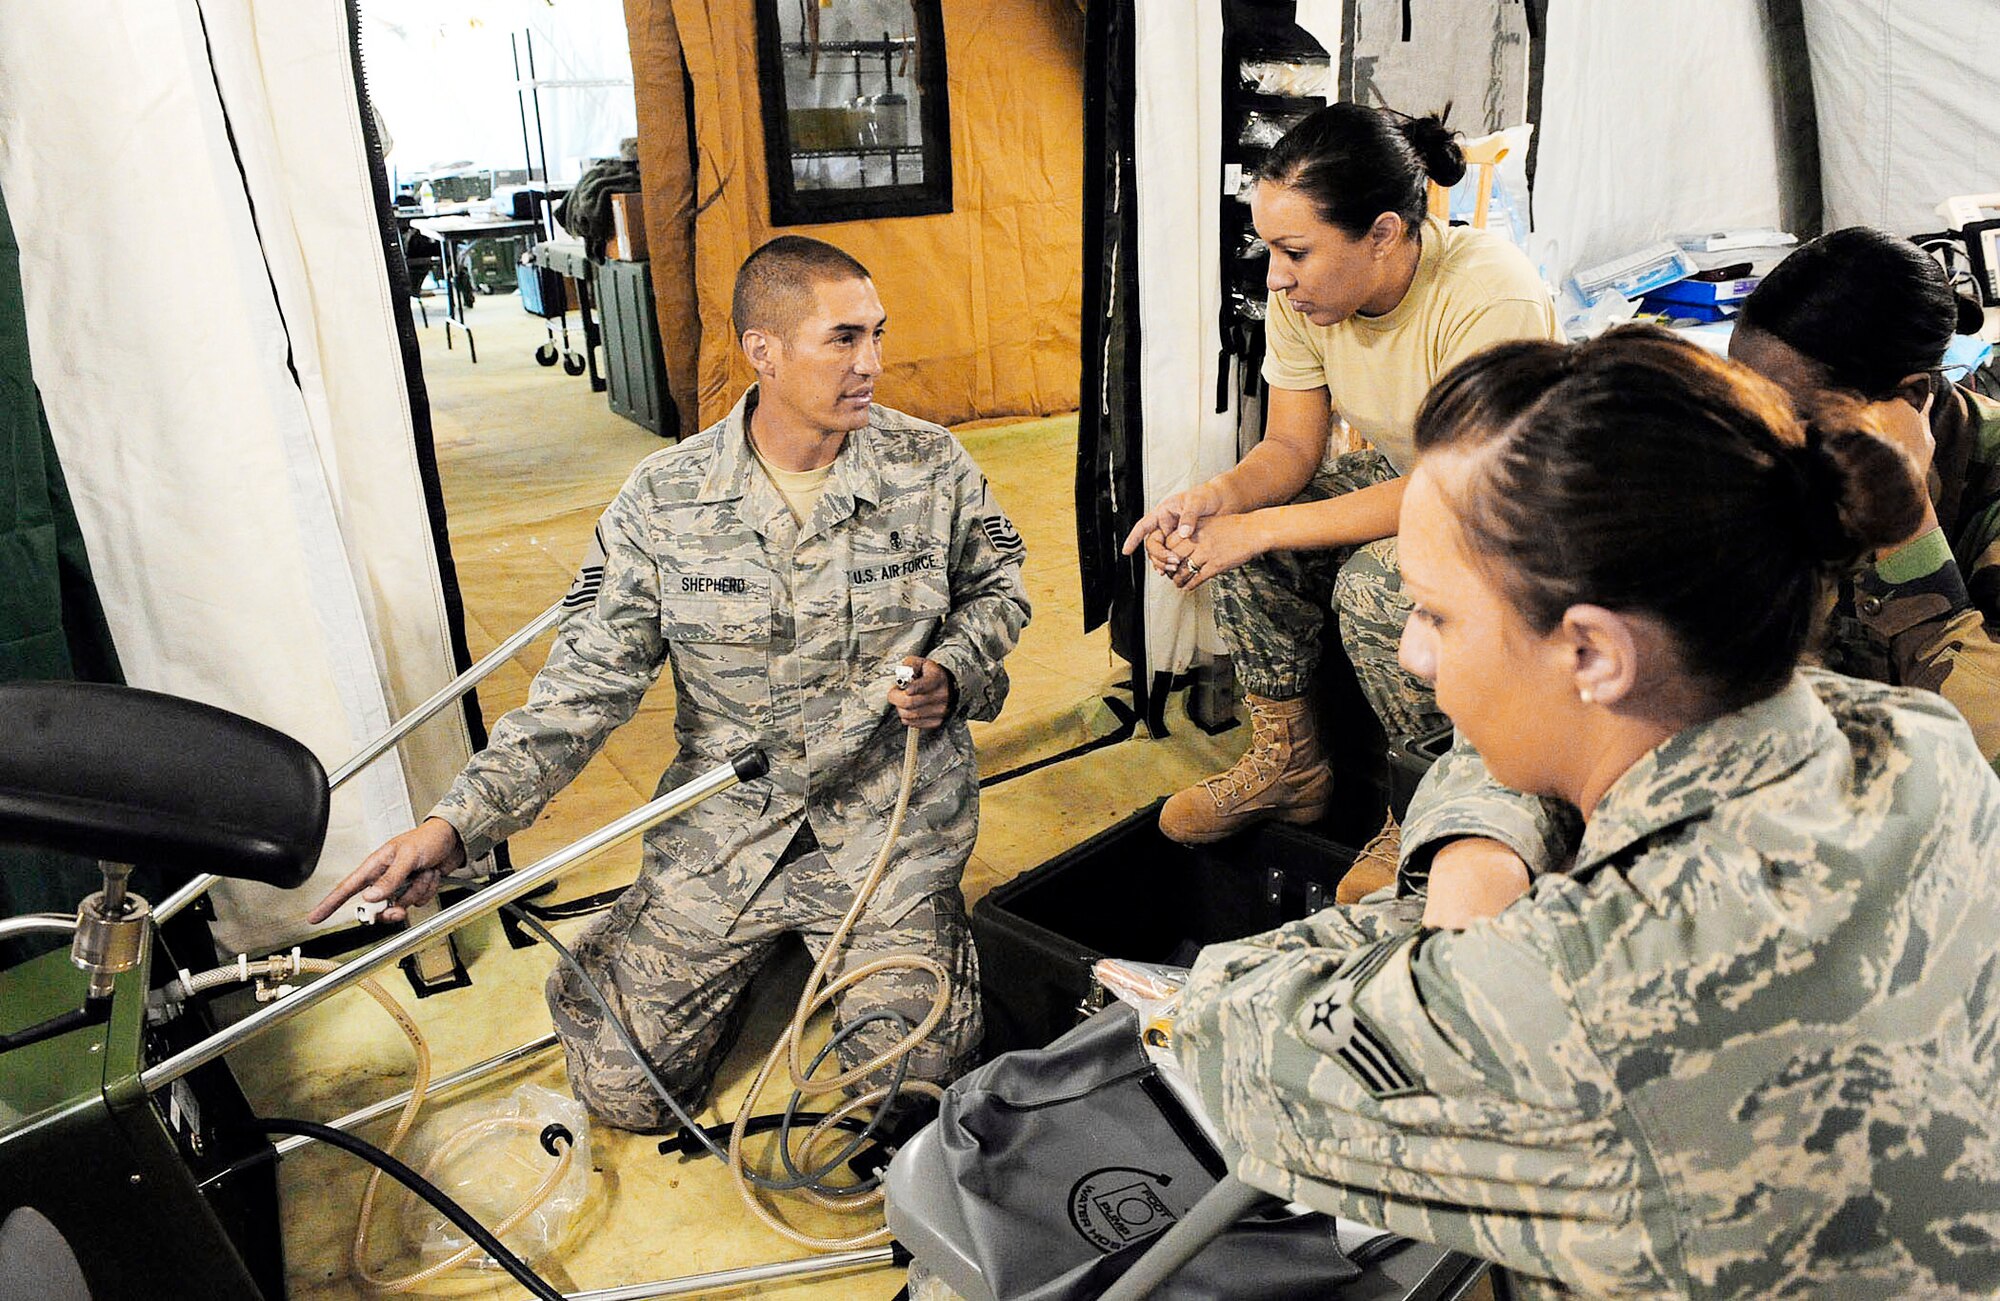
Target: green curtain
[51,623]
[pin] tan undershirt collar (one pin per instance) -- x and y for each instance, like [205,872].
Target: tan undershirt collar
[800,488]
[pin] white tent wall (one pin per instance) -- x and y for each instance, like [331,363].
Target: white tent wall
[442,76]
[1469,54]
[1323,20]
[260,541]
[1656,120]
[1178,68]
[1908,114]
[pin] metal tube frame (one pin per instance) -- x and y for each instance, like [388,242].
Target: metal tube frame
[521,107]
[473,1074]
[869,1258]
[535,98]
[381,745]
[37,924]
[486,901]
[416,938]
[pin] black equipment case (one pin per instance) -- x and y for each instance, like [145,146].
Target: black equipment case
[1410,757]
[1129,892]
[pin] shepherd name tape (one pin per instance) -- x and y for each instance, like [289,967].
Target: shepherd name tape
[732,586]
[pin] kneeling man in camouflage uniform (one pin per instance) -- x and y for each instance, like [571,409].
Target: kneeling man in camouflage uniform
[783,561]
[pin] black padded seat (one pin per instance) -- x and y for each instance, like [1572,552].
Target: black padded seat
[133,776]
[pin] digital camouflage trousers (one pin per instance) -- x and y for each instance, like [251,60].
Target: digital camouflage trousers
[680,988]
[1272,612]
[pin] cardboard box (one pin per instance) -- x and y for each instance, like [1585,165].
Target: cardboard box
[628,228]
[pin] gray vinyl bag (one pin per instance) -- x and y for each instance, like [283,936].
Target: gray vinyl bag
[1048,1172]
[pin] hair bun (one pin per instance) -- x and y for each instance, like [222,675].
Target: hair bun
[1971,315]
[1857,492]
[1437,145]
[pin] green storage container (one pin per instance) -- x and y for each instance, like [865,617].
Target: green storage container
[462,187]
[494,264]
[633,362]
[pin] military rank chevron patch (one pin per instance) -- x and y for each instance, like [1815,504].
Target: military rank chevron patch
[1332,1024]
[1000,531]
[589,577]
[582,592]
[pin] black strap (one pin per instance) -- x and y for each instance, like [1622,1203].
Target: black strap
[1183,1125]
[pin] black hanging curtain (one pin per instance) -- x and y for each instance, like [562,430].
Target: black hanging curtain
[1110,440]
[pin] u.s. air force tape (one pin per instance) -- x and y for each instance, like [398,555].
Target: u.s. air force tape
[1332,1024]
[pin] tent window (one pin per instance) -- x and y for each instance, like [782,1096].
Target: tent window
[855,120]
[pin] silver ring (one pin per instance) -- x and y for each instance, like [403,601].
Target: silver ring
[1194,566]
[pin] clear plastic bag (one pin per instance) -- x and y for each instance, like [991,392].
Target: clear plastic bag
[1264,127]
[926,1286]
[490,1160]
[1145,985]
[1300,77]
[1154,991]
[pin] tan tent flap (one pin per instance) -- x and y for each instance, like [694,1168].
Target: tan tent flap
[984,302]
[668,174]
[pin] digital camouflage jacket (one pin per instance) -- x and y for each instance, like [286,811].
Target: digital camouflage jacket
[783,637]
[1744,1047]
[1926,615]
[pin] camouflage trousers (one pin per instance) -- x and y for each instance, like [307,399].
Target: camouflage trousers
[1272,611]
[680,988]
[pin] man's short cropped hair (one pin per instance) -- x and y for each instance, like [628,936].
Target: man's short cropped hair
[774,286]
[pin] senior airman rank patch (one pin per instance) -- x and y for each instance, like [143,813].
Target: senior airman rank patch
[1332,1024]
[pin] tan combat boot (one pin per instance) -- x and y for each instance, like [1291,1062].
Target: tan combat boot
[1282,775]
[1374,867]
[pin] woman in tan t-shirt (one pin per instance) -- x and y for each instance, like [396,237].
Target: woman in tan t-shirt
[1370,303]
